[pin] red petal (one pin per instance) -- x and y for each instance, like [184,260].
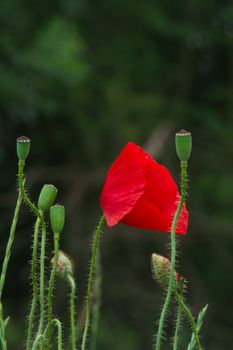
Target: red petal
[147,216]
[142,193]
[124,185]
[157,207]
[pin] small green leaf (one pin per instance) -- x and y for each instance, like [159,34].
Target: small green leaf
[200,319]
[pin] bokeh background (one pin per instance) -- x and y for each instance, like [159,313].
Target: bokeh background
[81,78]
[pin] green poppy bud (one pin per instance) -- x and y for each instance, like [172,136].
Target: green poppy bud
[161,271]
[47,197]
[183,145]
[57,218]
[64,265]
[23,147]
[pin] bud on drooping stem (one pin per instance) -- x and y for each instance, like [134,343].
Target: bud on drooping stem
[64,270]
[64,265]
[183,145]
[161,270]
[23,147]
[47,197]
[57,218]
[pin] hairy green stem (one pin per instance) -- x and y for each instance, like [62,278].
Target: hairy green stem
[3,339]
[51,284]
[72,311]
[173,257]
[97,302]
[2,330]
[5,265]
[191,319]
[90,281]
[9,244]
[42,278]
[178,319]
[34,284]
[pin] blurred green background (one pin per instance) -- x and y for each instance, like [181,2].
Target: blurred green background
[81,78]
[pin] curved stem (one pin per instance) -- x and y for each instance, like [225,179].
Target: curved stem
[34,284]
[56,322]
[51,284]
[39,339]
[24,194]
[72,311]
[190,317]
[90,281]
[173,256]
[59,333]
[9,244]
[178,320]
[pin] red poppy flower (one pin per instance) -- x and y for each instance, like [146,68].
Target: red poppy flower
[140,192]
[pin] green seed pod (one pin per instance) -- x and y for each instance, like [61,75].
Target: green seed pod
[161,271]
[23,147]
[183,145]
[57,218]
[64,265]
[47,197]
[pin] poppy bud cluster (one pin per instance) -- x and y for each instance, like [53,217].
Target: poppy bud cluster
[138,192]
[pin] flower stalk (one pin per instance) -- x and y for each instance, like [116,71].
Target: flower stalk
[96,302]
[5,266]
[34,284]
[9,244]
[90,281]
[65,270]
[179,317]
[42,277]
[3,324]
[71,282]
[190,318]
[51,284]
[173,256]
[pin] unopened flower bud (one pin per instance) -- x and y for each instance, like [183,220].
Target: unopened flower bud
[23,147]
[57,218]
[183,145]
[161,271]
[47,197]
[64,265]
